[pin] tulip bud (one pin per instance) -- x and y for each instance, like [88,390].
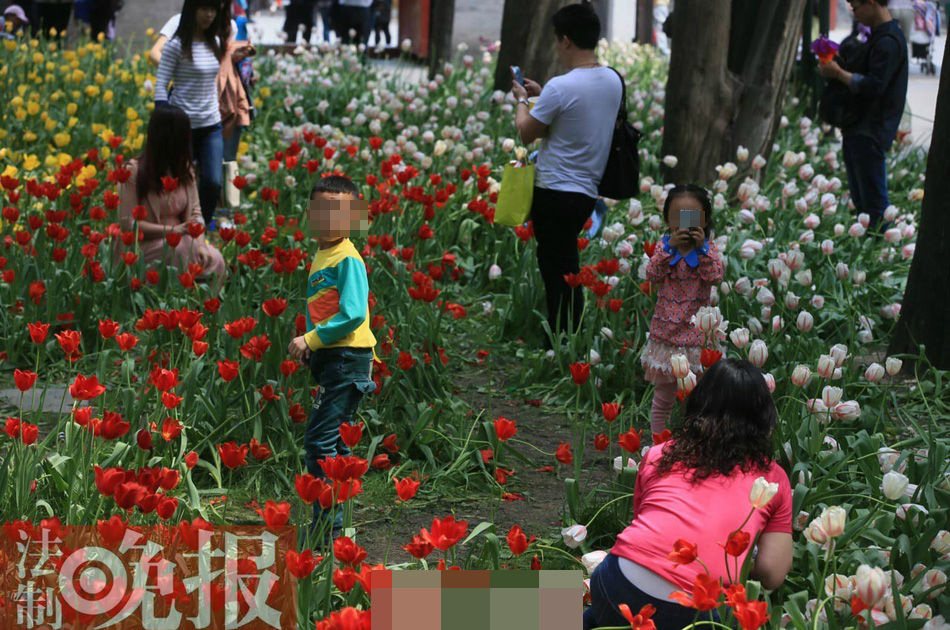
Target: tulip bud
[827,247]
[826,366]
[758,162]
[680,365]
[874,373]
[870,585]
[818,301]
[607,333]
[805,321]
[893,365]
[800,375]
[804,277]
[893,485]
[941,542]
[739,337]
[592,559]
[765,297]
[670,161]
[858,276]
[831,396]
[144,439]
[864,219]
[769,381]
[574,535]
[847,410]
[839,352]
[494,272]
[815,533]
[758,353]
[857,230]
[842,271]
[620,464]
[762,492]
[755,326]
[833,520]
[742,153]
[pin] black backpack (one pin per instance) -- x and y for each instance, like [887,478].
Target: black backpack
[839,106]
[621,178]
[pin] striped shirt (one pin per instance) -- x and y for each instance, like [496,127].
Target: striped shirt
[196,88]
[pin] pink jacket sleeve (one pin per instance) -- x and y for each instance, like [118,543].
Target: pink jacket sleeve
[710,267]
[659,265]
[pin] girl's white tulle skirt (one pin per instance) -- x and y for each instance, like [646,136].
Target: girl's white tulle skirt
[655,359]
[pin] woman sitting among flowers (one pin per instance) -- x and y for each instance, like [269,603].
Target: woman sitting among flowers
[702,500]
[160,201]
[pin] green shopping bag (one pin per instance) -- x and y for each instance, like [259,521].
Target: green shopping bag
[514,198]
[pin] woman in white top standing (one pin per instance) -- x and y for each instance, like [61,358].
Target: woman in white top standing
[191,60]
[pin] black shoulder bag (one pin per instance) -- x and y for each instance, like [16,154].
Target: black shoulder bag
[621,179]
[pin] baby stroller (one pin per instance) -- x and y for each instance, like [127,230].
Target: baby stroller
[926,27]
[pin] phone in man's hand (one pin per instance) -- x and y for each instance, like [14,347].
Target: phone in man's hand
[516,73]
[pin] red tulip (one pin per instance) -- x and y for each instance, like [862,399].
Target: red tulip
[170,400]
[232,455]
[126,341]
[630,441]
[418,547]
[738,542]
[601,441]
[610,411]
[535,563]
[406,488]
[659,438]
[166,507]
[709,357]
[190,533]
[191,459]
[344,467]
[12,427]
[108,328]
[347,551]
[29,433]
[112,531]
[107,480]
[351,434]
[563,453]
[228,369]
[389,443]
[144,439]
[169,183]
[705,596]
[309,487]
[128,494]
[171,428]
[259,451]
[163,379]
[445,532]
[274,307]
[69,341]
[381,462]
[751,615]
[684,552]
[517,541]
[580,372]
[86,388]
[275,514]
[24,379]
[504,428]
[301,565]
[640,621]
[38,332]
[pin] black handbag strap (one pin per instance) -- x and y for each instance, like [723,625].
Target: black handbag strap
[622,113]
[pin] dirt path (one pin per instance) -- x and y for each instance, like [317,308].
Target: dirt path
[539,513]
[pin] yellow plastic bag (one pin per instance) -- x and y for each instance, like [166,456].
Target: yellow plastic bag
[514,198]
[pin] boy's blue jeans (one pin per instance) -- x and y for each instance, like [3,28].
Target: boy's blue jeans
[865,164]
[342,377]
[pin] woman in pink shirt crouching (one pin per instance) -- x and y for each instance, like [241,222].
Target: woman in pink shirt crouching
[698,489]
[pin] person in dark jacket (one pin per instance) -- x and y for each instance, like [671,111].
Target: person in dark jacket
[382,15]
[881,85]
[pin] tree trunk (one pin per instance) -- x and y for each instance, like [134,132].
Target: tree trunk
[527,40]
[645,22]
[440,34]
[729,66]
[925,309]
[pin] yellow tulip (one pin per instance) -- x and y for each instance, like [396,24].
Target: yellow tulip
[72,122]
[30,163]
[92,91]
[10,170]
[131,114]
[242,148]
[76,94]
[106,152]
[264,92]
[20,113]
[9,44]
[51,124]
[149,32]
[71,109]
[37,58]
[107,96]
[3,134]
[33,108]
[63,159]
[29,136]
[100,78]
[61,139]
[50,161]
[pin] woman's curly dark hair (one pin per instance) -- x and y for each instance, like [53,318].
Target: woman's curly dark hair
[728,424]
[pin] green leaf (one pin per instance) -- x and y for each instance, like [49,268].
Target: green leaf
[478,530]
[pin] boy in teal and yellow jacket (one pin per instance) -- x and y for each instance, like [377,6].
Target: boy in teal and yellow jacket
[338,343]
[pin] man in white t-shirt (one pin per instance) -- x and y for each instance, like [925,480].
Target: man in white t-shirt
[574,117]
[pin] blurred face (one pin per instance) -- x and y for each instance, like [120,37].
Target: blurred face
[686,212]
[861,10]
[204,17]
[333,216]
